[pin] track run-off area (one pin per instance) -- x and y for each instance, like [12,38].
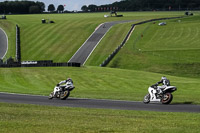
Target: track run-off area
[97,103]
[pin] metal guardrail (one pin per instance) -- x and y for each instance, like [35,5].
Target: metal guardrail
[18,45]
[41,64]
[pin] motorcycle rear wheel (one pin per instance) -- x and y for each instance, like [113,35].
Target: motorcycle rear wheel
[167,98]
[146,99]
[64,95]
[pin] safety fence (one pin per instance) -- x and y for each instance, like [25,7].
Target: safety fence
[111,56]
[45,63]
[18,45]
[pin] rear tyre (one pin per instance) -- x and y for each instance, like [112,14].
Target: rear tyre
[64,95]
[167,98]
[146,99]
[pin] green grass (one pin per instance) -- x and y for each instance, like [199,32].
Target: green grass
[9,28]
[106,83]
[21,118]
[61,40]
[109,43]
[172,49]
[95,82]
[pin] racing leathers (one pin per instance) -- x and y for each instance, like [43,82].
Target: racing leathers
[63,84]
[165,82]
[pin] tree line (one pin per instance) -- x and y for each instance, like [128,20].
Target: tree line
[145,5]
[27,7]
[60,8]
[21,7]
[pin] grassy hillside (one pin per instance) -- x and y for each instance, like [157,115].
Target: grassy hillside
[172,49]
[106,83]
[59,41]
[95,82]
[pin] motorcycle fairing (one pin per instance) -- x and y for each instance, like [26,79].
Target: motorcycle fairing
[170,89]
[152,93]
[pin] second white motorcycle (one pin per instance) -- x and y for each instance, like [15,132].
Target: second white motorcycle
[165,96]
[62,92]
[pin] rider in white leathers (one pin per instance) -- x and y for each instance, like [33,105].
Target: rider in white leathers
[165,82]
[65,82]
[62,84]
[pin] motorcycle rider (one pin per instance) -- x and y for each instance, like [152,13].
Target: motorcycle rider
[165,82]
[63,84]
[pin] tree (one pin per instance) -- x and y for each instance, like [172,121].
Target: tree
[84,8]
[41,6]
[51,8]
[21,7]
[91,8]
[60,8]
[34,9]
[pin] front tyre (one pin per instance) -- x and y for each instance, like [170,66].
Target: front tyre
[146,99]
[51,95]
[64,95]
[167,98]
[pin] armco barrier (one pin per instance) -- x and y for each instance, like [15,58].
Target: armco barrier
[18,47]
[46,63]
[110,57]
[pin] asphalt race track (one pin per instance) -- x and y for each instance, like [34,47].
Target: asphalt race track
[96,103]
[90,44]
[3,43]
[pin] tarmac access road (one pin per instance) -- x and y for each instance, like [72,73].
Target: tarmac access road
[83,53]
[3,43]
[97,103]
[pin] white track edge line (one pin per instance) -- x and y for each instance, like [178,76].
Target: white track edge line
[86,41]
[7,42]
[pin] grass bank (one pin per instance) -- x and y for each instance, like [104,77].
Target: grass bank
[95,82]
[59,41]
[32,118]
[172,49]
[9,28]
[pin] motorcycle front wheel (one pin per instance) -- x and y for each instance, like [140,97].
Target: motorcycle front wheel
[167,98]
[146,99]
[51,95]
[64,95]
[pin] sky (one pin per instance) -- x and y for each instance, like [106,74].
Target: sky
[72,5]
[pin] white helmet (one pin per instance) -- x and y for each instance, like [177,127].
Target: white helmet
[163,78]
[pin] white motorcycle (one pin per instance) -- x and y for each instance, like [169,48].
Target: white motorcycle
[62,92]
[165,96]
